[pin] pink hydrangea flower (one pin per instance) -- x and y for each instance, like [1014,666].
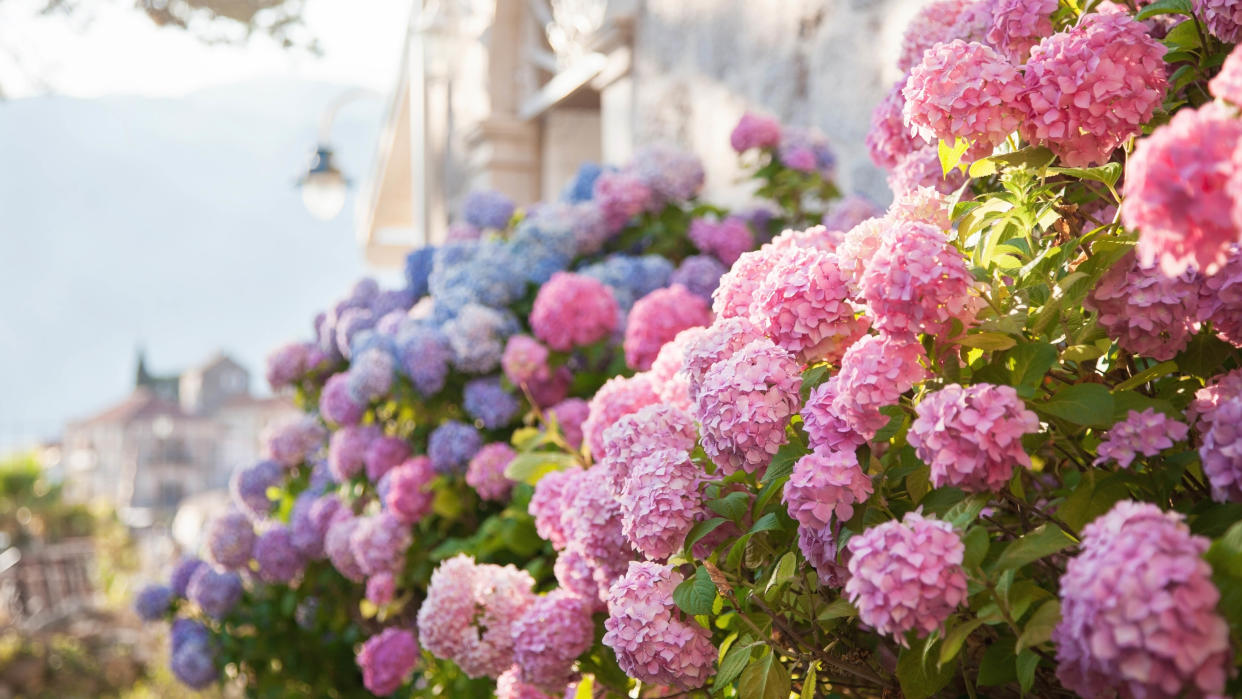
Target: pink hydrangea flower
[550,636]
[889,138]
[971,437]
[288,363]
[570,414]
[744,405]
[917,282]
[1222,17]
[1227,85]
[974,21]
[924,205]
[1092,87]
[657,318]
[387,659]
[524,359]
[1178,192]
[819,547]
[652,642]
[858,246]
[1220,299]
[379,543]
[296,441]
[813,238]
[726,239]
[824,428]
[486,472]
[591,520]
[804,306]
[510,686]
[409,495]
[383,455]
[825,483]
[1017,25]
[621,196]
[348,448]
[1218,410]
[618,397]
[718,342]
[576,574]
[921,168]
[572,310]
[336,544]
[1147,433]
[668,378]
[1145,311]
[548,502]
[963,90]
[381,588]
[935,23]
[906,575]
[874,372]
[653,428]
[1138,610]
[755,131]
[660,502]
[470,611]
[737,288]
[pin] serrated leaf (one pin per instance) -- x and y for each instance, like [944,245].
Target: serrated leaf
[1081,404]
[732,665]
[782,464]
[977,543]
[1044,540]
[1204,355]
[1089,500]
[764,679]
[1108,173]
[695,595]
[951,154]
[1025,666]
[1038,628]
[965,512]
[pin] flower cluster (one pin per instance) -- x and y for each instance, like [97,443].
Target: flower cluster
[573,310]
[825,483]
[1147,433]
[917,282]
[963,90]
[549,637]
[1145,311]
[657,318]
[804,306]
[1139,595]
[386,660]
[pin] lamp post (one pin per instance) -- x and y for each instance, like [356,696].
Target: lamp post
[324,186]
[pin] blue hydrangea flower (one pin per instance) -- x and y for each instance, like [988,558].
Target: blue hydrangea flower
[482,272]
[363,292]
[700,274]
[543,244]
[193,664]
[424,355]
[188,631]
[487,208]
[153,601]
[486,400]
[582,186]
[215,592]
[477,337]
[386,302]
[371,338]
[349,323]
[370,375]
[417,269]
[185,569]
[452,445]
[629,277]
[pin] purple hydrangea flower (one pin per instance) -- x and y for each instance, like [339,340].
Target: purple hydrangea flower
[451,445]
[215,592]
[487,208]
[279,560]
[230,538]
[249,488]
[370,376]
[185,569]
[153,601]
[488,402]
[387,659]
[700,274]
[193,664]
[424,357]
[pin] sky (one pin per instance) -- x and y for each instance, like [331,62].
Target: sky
[147,198]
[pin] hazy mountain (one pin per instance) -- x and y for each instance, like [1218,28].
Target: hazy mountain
[168,223]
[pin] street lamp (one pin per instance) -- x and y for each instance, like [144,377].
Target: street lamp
[323,186]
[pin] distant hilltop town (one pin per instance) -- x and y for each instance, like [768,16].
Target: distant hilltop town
[173,437]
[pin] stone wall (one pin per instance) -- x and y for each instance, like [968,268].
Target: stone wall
[698,64]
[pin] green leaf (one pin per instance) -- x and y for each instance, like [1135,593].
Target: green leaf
[1090,500]
[782,464]
[1039,627]
[586,687]
[1107,174]
[695,595]
[1165,7]
[989,341]
[997,665]
[839,608]
[1028,364]
[766,523]
[955,638]
[1033,157]
[1225,557]
[809,682]
[733,506]
[964,513]
[1204,355]
[920,680]
[813,377]
[702,529]
[951,155]
[1183,37]
[732,665]
[1146,375]
[529,468]
[783,572]
[977,543]
[1025,666]
[1081,404]
[765,679]
[1045,540]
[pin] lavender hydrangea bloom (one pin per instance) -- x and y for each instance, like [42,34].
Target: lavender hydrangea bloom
[542,245]
[185,631]
[700,274]
[451,446]
[481,273]
[335,405]
[424,357]
[807,150]
[379,543]
[279,560]
[417,269]
[249,488]
[487,401]
[672,174]
[152,602]
[477,337]
[230,537]
[309,523]
[349,323]
[487,208]
[215,592]
[193,664]
[185,569]
[629,277]
[386,660]
[370,376]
